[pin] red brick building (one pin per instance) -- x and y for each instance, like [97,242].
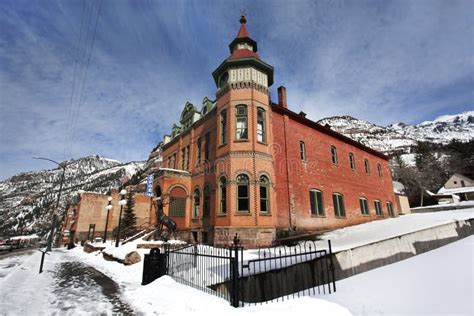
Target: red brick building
[243,164]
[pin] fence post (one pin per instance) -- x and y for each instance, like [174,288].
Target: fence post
[234,262]
[331,267]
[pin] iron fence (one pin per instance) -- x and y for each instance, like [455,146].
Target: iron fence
[258,276]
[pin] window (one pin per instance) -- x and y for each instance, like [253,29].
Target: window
[302,151]
[334,155]
[223,195]
[207,146]
[241,122]
[316,202]
[206,211]
[223,126]
[379,168]
[338,202]
[242,193]
[177,206]
[187,157]
[261,137]
[378,208]
[352,161]
[198,151]
[463,184]
[364,206]
[196,202]
[183,158]
[264,195]
[390,209]
[367,167]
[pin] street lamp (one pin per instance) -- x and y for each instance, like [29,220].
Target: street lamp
[55,216]
[122,202]
[108,207]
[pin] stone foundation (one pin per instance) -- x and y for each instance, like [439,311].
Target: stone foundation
[250,237]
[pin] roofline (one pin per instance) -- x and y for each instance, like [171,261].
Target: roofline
[194,125]
[298,118]
[251,61]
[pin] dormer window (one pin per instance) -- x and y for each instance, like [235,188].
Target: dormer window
[246,46]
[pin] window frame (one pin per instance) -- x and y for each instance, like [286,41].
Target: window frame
[334,159]
[240,183]
[265,185]
[380,170]
[198,151]
[206,201]
[390,209]
[366,166]
[302,151]
[196,207]
[222,195]
[244,117]
[316,207]
[378,210]
[223,125]
[338,212]
[207,146]
[261,118]
[352,163]
[364,206]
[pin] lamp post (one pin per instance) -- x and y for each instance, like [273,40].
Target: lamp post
[122,202]
[108,207]
[55,216]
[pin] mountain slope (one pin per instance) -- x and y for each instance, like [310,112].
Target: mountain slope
[401,137]
[28,199]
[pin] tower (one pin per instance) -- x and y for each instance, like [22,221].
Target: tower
[244,167]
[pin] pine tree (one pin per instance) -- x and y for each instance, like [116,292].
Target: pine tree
[129,219]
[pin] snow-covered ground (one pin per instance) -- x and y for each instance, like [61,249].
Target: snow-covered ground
[363,234]
[438,282]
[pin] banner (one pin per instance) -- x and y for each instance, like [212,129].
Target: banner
[149,185]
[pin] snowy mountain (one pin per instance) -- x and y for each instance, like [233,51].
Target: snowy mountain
[401,137]
[28,198]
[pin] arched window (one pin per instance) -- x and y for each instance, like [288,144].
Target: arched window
[241,122]
[364,206]
[334,155]
[264,195]
[378,208]
[338,202]
[379,168]
[177,207]
[242,193]
[352,161]
[390,209]
[206,211]
[316,202]
[261,133]
[222,195]
[223,126]
[367,167]
[196,203]
[302,151]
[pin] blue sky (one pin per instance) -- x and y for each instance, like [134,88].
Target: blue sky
[383,61]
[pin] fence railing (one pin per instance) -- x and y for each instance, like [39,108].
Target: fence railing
[257,276]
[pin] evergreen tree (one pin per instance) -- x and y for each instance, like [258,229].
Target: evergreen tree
[129,219]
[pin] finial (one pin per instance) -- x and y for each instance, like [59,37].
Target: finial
[243,19]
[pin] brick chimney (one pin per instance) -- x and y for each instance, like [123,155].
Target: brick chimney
[282,97]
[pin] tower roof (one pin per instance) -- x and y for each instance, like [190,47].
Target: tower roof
[243,36]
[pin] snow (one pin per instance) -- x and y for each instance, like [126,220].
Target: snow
[443,190]
[28,237]
[174,170]
[438,282]
[363,234]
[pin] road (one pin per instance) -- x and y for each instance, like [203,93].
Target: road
[65,287]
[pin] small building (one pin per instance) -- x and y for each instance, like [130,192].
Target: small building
[457,188]
[403,205]
[86,215]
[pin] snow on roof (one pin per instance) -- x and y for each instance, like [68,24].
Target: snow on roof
[174,170]
[443,190]
[398,187]
[34,236]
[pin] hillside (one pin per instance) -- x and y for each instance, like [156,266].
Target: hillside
[27,199]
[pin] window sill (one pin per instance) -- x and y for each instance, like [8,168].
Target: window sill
[340,217]
[366,215]
[241,141]
[243,213]
[222,215]
[264,214]
[222,145]
[262,143]
[317,216]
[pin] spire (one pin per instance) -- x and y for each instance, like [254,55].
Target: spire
[243,29]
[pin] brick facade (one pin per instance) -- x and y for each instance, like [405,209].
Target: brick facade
[211,145]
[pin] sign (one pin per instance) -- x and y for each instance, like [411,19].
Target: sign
[149,185]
